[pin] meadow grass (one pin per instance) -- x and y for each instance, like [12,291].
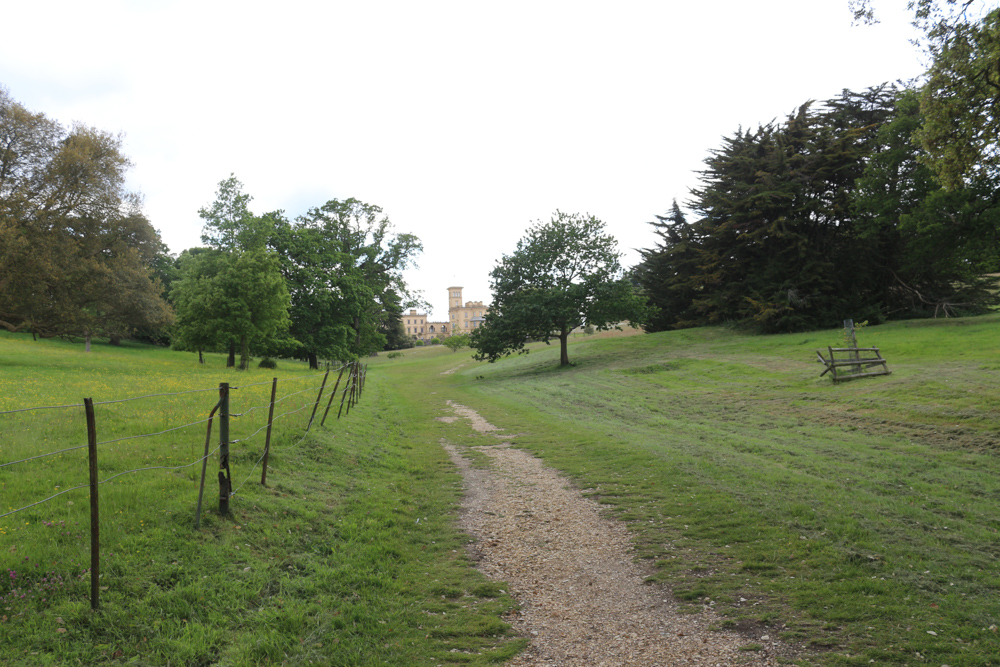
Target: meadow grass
[349,556]
[857,520]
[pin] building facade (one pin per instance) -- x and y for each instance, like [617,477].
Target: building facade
[463,317]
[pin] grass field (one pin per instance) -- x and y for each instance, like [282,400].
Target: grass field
[348,557]
[859,521]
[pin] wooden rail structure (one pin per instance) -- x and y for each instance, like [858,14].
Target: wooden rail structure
[851,364]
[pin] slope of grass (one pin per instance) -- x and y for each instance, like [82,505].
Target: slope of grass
[348,557]
[859,520]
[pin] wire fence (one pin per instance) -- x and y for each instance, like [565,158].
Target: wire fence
[242,427]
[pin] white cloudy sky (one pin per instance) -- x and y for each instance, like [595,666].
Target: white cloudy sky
[465,121]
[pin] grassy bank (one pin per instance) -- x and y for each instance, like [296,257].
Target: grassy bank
[858,520]
[348,557]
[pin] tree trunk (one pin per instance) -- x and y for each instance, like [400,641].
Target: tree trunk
[231,361]
[201,359]
[563,341]
[244,354]
[86,341]
[313,362]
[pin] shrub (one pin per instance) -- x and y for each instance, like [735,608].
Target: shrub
[435,341]
[419,343]
[394,355]
[267,362]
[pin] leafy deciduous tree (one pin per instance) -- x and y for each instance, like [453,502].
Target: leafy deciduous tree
[564,273]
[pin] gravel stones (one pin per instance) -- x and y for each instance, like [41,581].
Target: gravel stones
[582,596]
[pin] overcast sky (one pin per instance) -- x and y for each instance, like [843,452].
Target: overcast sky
[464,121]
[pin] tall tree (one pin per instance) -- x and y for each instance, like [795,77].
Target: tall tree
[344,267]
[75,250]
[235,296]
[564,273]
[668,271]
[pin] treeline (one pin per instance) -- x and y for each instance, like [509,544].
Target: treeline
[326,285]
[76,252]
[876,204]
[79,259]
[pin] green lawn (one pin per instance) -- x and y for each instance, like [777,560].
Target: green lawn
[348,557]
[858,520]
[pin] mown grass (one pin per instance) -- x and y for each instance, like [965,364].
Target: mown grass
[857,521]
[348,557]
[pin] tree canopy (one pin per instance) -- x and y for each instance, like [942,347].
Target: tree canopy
[829,215]
[233,294]
[564,273]
[76,252]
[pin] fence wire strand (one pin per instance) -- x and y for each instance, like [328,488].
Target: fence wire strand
[42,407]
[297,392]
[136,398]
[82,486]
[186,465]
[150,435]
[42,456]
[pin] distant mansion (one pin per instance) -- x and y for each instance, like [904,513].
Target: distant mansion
[462,318]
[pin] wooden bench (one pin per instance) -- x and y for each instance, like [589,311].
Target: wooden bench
[851,364]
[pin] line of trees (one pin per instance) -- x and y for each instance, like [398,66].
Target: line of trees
[877,204]
[78,258]
[76,252]
[326,285]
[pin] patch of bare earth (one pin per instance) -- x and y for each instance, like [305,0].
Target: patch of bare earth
[582,596]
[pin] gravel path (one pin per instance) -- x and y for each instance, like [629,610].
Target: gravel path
[583,601]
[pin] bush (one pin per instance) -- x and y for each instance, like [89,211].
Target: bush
[419,343]
[435,341]
[394,355]
[267,362]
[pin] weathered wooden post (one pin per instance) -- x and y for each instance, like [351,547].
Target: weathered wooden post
[267,438]
[204,466]
[318,397]
[225,477]
[852,342]
[347,386]
[333,395]
[95,528]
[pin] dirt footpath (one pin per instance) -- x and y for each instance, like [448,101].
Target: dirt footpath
[583,601]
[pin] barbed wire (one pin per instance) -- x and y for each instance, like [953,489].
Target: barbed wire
[42,456]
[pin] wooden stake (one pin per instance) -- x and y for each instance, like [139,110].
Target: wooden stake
[225,477]
[318,396]
[95,528]
[333,395]
[204,467]
[267,439]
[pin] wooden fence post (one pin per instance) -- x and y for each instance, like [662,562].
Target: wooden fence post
[267,438]
[95,528]
[352,397]
[347,386]
[318,397]
[225,477]
[204,466]
[333,395]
